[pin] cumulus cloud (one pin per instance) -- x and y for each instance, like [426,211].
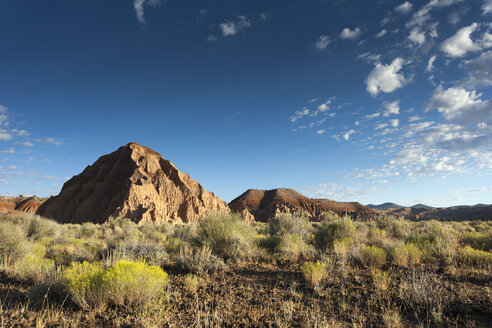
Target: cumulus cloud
[417,36]
[139,7]
[347,33]
[479,69]
[322,42]
[487,7]
[460,44]
[392,108]
[395,122]
[404,8]
[385,78]
[235,26]
[461,105]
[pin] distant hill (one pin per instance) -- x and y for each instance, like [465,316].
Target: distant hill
[421,206]
[385,206]
[21,204]
[266,204]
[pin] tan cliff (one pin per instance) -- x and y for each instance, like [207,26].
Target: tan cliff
[134,182]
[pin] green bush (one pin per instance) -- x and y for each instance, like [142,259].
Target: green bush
[289,224]
[292,248]
[339,229]
[314,273]
[191,283]
[228,235]
[406,255]
[38,227]
[380,279]
[34,266]
[475,257]
[478,240]
[84,281]
[373,256]
[126,283]
[133,283]
[140,250]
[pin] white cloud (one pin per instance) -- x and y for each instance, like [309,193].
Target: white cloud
[371,116]
[479,69]
[404,8]
[347,33]
[139,8]
[325,106]
[300,114]
[487,7]
[422,16]
[461,105]
[3,109]
[347,134]
[394,123]
[460,44]
[385,78]
[414,118]
[27,144]
[380,126]
[381,33]
[322,42]
[417,36]
[233,27]
[392,108]
[5,135]
[50,140]
[321,131]
[430,63]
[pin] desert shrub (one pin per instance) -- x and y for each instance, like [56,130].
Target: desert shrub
[187,232]
[341,247]
[191,283]
[34,266]
[133,283]
[228,235]
[406,255]
[339,229]
[289,224]
[88,230]
[398,228]
[329,216]
[293,247]
[380,279]
[422,294]
[314,273]
[377,236]
[149,252]
[125,283]
[173,245]
[373,256]
[442,250]
[270,242]
[84,281]
[475,257]
[199,260]
[478,240]
[38,227]
[12,244]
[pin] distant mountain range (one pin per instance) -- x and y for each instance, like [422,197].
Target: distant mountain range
[425,212]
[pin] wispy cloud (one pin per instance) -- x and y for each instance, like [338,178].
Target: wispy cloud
[139,6]
[347,33]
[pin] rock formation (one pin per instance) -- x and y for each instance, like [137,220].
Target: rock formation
[264,205]
[21,204]
[133,182]
[476,212]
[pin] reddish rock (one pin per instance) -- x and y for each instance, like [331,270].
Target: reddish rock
[133,182]
[21,204]
[266,204]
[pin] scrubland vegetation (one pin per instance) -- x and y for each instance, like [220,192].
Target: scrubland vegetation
[224,272]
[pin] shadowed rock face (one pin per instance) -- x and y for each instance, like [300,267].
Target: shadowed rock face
[133,182]
[264,205]
[21,204]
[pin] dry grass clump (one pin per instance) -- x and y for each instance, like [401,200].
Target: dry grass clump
[34,266]
[422,294]
[199,260]
[380,279]
[314,273]
[12,244]
[191,283]
[289,224]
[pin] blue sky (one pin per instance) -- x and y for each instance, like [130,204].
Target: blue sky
[368,101]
